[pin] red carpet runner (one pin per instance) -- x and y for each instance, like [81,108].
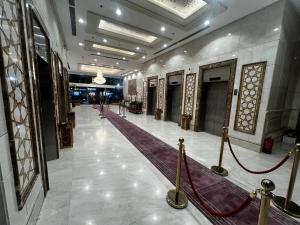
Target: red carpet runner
[218,193]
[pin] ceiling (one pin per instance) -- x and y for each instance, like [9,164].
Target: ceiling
[117,36]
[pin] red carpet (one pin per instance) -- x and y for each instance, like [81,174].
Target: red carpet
[219,193]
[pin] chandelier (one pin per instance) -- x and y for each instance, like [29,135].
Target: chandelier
[99,79]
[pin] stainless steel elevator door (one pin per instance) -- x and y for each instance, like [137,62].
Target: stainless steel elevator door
[214,98]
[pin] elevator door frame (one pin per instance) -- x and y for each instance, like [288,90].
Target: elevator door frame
[229,63]
[168,75]
[148,83]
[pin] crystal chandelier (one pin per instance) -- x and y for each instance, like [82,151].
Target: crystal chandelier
[99,79]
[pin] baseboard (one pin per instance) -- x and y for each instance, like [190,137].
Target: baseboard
[33,218]
[246,144]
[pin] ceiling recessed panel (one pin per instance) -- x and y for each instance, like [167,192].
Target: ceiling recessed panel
[181,8]
[95,69]
[112,50]
[125,31]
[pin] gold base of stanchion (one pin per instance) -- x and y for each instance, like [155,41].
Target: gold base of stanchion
[293,209]
[182,199]
[219,170]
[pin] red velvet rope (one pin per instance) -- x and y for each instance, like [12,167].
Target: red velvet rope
[258,172]
[211,211]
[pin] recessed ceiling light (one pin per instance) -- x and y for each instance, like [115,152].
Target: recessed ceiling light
[276,29]
[95,60]
[112,49]
[124,58]
[117,63]
[98,53]
[165,45]
[81,20]
[234,55]
[93,64]
[80,44]
[185,51]
[229,34]
[104,40]
[162,28]
[206,23]
[137,48]
[118,12]
[126,31]
[144,57]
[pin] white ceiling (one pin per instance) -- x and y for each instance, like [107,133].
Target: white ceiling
[143,16]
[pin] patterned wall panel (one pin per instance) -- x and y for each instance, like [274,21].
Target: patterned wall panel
[132,87]
[145,94]
[252,79]
[189,94]
[161,89]
[16,94]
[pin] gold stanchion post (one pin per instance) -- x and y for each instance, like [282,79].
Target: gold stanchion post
[219,169]
[266,196]
[285,203]
[176,198]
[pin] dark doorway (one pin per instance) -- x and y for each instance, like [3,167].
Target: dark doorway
[214,106]
[47,108]
[173,96]
[152,96]
[174,103]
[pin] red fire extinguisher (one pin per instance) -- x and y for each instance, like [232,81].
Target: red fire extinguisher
[268,145]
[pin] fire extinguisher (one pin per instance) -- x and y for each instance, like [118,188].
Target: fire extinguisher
[268,145]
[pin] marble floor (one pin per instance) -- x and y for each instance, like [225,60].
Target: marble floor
[103,179]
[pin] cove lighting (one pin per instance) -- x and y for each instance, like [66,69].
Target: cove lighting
[122,30]
[112,49]
[179,8]
[95,69]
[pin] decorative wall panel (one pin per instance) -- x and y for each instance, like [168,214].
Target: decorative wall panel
[145,94]
[132,87]
[161,88]
[16,94]
[189,94]
[249,97]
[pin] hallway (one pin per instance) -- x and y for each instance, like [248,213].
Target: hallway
[99,170]
[111,182]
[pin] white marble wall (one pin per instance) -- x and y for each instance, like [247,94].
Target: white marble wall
[252,39]
[30,212]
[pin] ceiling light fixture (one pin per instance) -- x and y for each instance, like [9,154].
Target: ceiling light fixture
[93,64]
[162,28]
[117,63]
[229,34]
[112,49]
[81,20]
[144,57]
[80,44]
[98,53]
[95,69]
[118,12]
[95,60]
[165,45]
[99,79]
[124,58]
[104,40]
[137,48]
[276,29]
[206,23]
[125,31]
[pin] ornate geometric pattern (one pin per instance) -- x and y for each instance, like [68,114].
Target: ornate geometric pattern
[132,87]
[145,94]
[189,94]
[16,99]
[161,88]
[249,97]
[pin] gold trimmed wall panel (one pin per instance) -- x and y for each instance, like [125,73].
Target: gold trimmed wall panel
[189,95]
[248,104]
[161,89]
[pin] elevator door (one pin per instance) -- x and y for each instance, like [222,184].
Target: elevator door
[215,94]
[47,109]
[151,100]
[174,103]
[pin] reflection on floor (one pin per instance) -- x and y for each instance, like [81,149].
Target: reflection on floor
[105,180]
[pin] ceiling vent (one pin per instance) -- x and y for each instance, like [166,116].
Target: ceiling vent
[72,16]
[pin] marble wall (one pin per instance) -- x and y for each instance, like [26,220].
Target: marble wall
[250,39]
[29,213]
